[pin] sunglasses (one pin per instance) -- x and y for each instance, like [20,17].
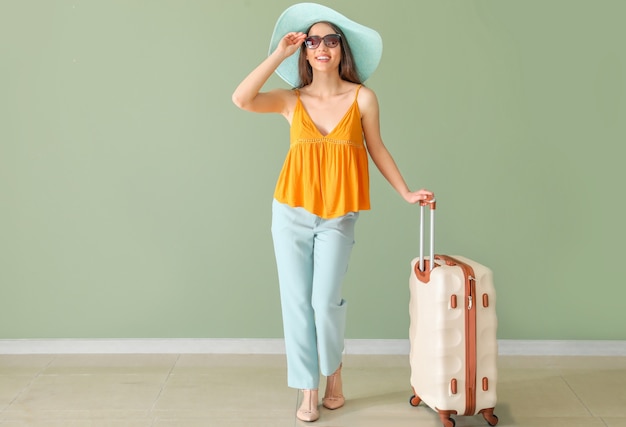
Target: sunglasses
[330,40]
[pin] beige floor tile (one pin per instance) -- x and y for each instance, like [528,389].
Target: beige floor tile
[27,364]
[251,390]
[112,364]
[77,416]
[328,419]
[260,421]
[539,396]
[88,396]
[198,362]
[78,423]
[10,388]
[382,414]
[549,422]
[602,391]
[226,391]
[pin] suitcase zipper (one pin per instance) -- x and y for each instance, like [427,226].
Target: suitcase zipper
[470,332]
[470,341]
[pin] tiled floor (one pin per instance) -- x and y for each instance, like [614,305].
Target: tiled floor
[191,390]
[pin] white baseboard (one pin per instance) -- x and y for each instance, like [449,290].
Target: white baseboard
[277,346]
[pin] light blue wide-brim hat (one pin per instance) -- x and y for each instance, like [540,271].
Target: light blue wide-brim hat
[365,43]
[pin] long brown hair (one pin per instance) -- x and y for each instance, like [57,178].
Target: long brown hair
[347,66]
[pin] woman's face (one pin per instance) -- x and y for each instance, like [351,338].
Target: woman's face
[323,58]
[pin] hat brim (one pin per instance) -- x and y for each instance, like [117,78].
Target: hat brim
[365,43]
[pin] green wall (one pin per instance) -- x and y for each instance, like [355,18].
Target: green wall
[135,198]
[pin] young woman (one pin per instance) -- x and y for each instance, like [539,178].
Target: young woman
[324,182]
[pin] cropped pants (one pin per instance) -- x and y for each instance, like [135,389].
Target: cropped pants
[312,257]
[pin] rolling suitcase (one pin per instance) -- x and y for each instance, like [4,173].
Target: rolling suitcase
[452,333]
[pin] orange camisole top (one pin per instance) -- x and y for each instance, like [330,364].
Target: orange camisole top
[325,174]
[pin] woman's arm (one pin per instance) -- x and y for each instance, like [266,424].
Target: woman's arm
[370,117]
[248,97]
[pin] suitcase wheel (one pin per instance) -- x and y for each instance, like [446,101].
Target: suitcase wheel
[491,418]
[446,419]
[415,400]
[449,422]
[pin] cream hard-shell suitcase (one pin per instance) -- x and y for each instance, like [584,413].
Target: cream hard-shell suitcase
[452,333]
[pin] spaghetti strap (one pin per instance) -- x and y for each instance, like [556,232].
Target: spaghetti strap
[357,91]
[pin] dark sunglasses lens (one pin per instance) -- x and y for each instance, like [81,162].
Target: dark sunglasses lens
[312,42]
[331,40]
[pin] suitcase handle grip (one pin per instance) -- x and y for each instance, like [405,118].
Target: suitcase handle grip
[432,202]
[433,205]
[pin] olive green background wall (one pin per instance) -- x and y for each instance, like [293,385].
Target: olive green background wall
[135,198]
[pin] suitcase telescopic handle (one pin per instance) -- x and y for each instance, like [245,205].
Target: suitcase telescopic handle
[433,205]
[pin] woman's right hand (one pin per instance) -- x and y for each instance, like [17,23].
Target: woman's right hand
[422,196]
[290,43]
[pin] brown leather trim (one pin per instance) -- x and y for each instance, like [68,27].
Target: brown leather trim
[424,276]
[453,303]
[485,300]
[432,203]
[453,386]
[485,384]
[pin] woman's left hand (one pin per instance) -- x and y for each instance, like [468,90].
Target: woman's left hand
[419,196]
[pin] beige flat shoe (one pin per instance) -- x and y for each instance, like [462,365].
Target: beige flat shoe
[333,397]
[308,410]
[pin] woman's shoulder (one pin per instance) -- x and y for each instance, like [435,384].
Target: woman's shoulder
[367,97]
[360,88]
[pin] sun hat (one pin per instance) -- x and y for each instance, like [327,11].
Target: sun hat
[365,43]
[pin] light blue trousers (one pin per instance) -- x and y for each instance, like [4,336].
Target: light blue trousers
[312,257]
